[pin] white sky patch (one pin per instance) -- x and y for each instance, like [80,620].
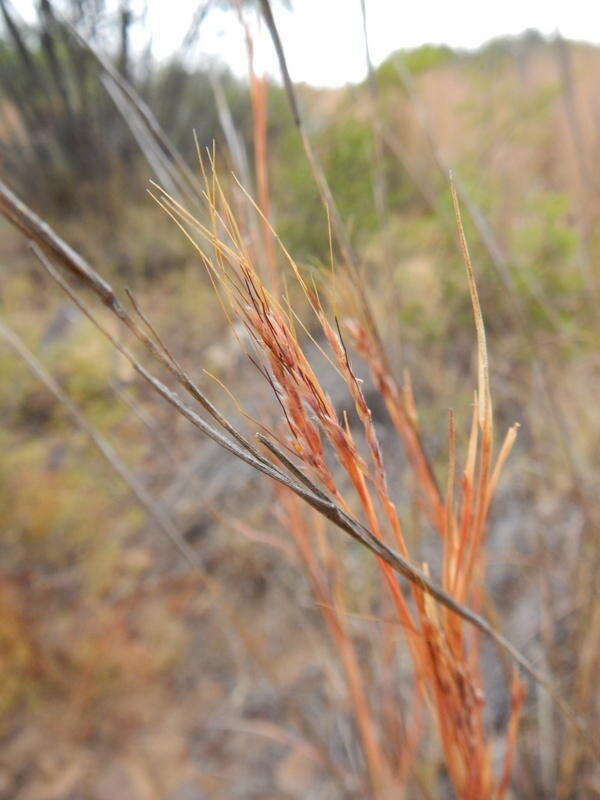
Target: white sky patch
[323,38]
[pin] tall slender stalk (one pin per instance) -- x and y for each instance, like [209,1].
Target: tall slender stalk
[268,320]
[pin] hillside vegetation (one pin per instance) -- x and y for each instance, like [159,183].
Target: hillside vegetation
[126,672]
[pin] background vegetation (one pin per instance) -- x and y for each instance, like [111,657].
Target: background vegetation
[121,675]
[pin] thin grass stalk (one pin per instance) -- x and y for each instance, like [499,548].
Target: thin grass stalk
[25,220]
[147,144]
[154,510]
[258,99]
[441,662]
[236,148]
[500,262]
[146,420]
[588,186]
[349,255]
[379,177]
[180,171]
[355,681]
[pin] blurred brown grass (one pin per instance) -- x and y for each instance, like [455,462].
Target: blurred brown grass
[116,666]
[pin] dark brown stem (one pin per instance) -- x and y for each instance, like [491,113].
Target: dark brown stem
[46,241]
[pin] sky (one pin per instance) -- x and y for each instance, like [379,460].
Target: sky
[323,38]
[324,42]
